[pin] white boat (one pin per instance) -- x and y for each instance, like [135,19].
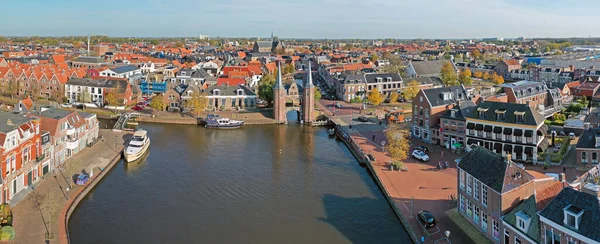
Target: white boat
[138,146]
[222,123]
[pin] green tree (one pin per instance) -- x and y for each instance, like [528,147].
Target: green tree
[265,88]
[85,96]
[111,99]
[12,88]
[198,103]
[158,103]
[317,94]
[374,57]
[289,68]
[447,49]
[394,97]
[375,97]
[154,42]
[448,74]
[477,54]
[397,145]
[411,90]
[465,77]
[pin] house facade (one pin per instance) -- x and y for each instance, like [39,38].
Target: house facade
[453,124]
[68,132]
[588,147]
[229,97]
[386,83]
[20,152]
[504,67]
[508,128]
[129,72]
[90,90]
[428,106]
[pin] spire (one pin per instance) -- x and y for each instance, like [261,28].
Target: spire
[309,81]
[272,35]
[278,84]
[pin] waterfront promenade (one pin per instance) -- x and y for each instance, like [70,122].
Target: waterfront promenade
[52,189]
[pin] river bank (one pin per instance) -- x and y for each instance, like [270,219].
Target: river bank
[57,191]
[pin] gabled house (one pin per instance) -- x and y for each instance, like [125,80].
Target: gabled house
[228,97]
[129,72]
[88,90]
[426,68]
[504,67]
[68,131]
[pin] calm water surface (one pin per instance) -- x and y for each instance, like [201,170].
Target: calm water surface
[259,184]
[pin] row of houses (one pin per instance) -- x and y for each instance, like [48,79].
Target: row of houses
[34,141]
[509,204]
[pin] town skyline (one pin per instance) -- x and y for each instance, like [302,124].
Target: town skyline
[330,19]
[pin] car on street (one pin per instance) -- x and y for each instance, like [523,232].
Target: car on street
[338,105]
[141,104]
[427,219]
[82,179]
[423,149]
[137,108]
[363,119]
[420,155]
[66,105]
[572,135]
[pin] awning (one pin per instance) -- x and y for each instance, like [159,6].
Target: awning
[540,133]
[529,150]
[478,127]
[518,132]
[544,129]
[498,147]
[470,126]
[457,145]
[507,131]
[497,129]
[543,145]
[518,149]
[508,148]
[487,128]
[528,133]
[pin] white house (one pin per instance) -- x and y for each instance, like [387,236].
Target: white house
[147,67]
[130,72]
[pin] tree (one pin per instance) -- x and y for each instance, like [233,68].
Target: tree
[397,142]
[198,103]
[47,206]
[478,74]
[477,54]
[375,97]
[178,44]
[374,57]
[85,96]
[497,79]
[158,103]
[486,75]
[12,88]
[289,68]
[465,77]
[317,94]
[448,74]
[265,88]
[154,42]
[394,97]
[447,49]
[111,99]
[411,90]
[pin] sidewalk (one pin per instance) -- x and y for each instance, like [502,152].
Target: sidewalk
[52,189]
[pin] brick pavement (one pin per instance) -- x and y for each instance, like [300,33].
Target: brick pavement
[28,222]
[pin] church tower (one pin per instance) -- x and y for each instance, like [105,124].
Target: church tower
[279,96]
[308,99]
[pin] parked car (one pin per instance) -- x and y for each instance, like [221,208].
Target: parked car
[338,105]
[82,179]
[572,135]
[427,218]
[562,133]
[137,108]
[66,105]
[423,149]
[363,119]
[420,155]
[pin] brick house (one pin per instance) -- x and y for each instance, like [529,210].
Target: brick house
[527,92]
[228,97]
[507,128]
[68,132]
[490,186]
[572,216]
[97,89]
[504,67]
[588,147]
[453,124]
[386,83]
[20,152]
[428,106]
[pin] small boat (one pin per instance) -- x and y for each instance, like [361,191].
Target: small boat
[132,123]
[138,145]
[331,132]
[214,121]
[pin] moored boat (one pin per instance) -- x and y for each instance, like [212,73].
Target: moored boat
[214,121]
[137,147]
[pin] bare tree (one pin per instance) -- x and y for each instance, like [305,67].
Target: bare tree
[46,206]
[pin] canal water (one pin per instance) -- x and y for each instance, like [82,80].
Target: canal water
[258,184]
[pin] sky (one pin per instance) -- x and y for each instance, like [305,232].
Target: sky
[402,19]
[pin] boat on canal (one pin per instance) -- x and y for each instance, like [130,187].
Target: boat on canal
[138,146]
[214,121]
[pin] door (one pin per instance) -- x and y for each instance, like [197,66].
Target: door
[45,169]
[29,178]
[20,183]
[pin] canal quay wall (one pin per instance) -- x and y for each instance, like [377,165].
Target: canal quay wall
[71,205]
[363,159]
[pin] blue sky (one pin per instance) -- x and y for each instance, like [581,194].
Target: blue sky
[303,18]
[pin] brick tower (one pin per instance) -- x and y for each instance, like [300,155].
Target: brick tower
[279,96]
[308,98]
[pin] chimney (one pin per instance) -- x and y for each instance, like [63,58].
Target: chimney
[561,177]
[10,122]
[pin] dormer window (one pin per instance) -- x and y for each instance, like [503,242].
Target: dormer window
[572,216]
[388,79]
[379,80]
[481,112]
[500,114]
[239,92]
[216,92]
[519,117]
[523,221]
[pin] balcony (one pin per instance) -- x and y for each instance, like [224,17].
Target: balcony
[40,158]
[72,144]
[70,131]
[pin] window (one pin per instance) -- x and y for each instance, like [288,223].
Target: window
[508,138]
[584,157]
[475,189]
[517,240]
[529,139]
[518,139]
[481,115]
[484,223]
[484,195]
[469,189]
[462,179]
[475,214]
[523,221]
[462,203]
[469,208]
[506,237]
[594,156]
[519,118]
[7,166]
[495,229]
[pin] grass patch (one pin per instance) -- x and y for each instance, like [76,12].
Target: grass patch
[471,231]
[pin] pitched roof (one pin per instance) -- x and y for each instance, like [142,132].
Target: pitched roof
[27,102]
[105,83]
[228,90]
[588,138]
[16,120]
[528,208]
[230,81]
[531,116]
[493,170]
[372,77]
[436,95]
[590,205]
[463,107]
[124,69]
[428,67]
[511,62]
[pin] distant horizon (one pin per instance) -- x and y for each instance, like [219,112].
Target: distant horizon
[309,19]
